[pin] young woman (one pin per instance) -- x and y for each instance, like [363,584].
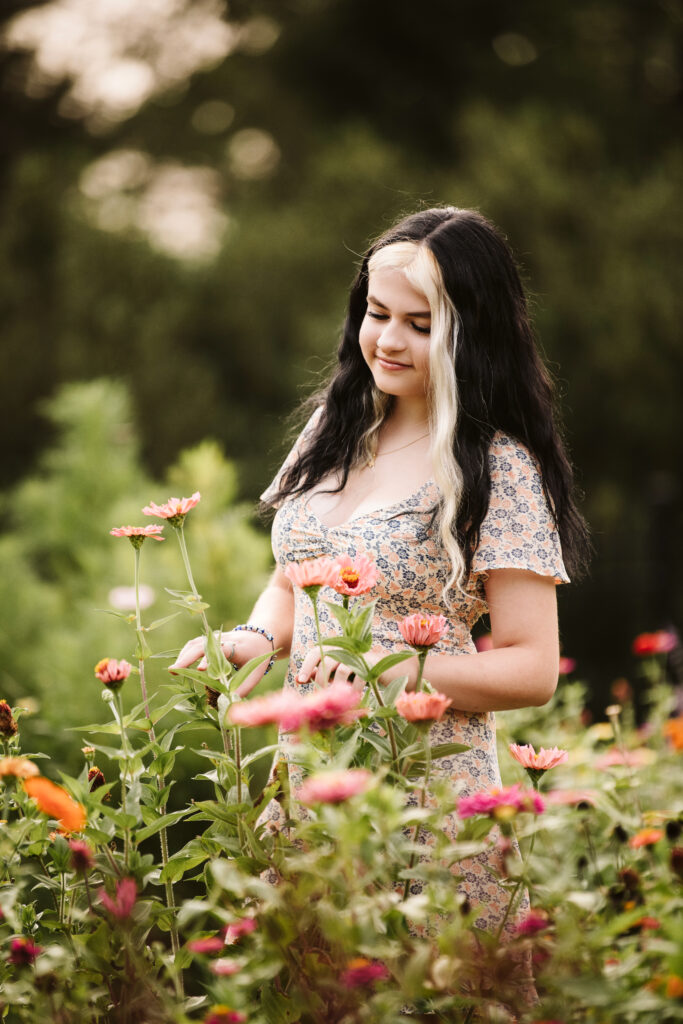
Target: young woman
[434,450]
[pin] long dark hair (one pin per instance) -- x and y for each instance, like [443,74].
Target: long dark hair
[502,382]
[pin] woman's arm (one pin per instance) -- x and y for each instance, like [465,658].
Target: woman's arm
[274,612]
[520,671]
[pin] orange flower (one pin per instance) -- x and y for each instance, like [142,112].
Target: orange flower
[646,837]
[19,767]
[674,987]
[112,672]
[174,510]
[56,802]
[136,534]
[673,730]
[356,575]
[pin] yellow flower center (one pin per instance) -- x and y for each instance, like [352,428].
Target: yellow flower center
[350,577]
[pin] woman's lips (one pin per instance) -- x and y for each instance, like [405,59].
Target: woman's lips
[390,364]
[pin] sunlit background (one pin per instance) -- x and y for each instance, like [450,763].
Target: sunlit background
[186,186]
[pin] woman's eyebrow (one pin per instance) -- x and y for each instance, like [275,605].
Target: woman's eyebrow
[376,302]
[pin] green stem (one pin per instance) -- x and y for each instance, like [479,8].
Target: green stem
[423,801]
[190,578]
[314,599]
[124,775]
[421,658]
[389,724]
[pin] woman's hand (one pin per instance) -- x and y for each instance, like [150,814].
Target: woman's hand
[238,646]
[336,671]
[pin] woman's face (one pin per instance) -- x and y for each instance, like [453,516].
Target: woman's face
[394,335]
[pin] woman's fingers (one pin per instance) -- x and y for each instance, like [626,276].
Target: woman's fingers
[308,666]
[192,650]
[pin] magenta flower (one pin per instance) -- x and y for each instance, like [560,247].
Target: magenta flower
[534,922]
[221,1014]
[112,672]
[541,761]
[81,856]
[122,905]
[235,931]
[174,510]
[503,802]
[660,642]
[356,575]
[313,574]
[567,665]
[23,952]
[422,707]
[334,787]
[137,534]
[360,971]
[211,944]
[422,631]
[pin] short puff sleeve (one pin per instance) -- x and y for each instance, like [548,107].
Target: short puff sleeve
[298,446]
[518,531]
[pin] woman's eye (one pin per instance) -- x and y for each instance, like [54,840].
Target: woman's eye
[421,330]
[378,316]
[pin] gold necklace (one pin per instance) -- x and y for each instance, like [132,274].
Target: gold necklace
[378,455]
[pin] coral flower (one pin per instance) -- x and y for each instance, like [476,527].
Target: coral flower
[673,730]
[571,796]
[137,534]
[122,904]
[334,787]
[660,642]
[674,987]
[423,631]
[56,802]
[174,510]
[23,952]
[81,856]
[211,944]
[19,767]
[8,725]
[112,672]
[360,971]
[313,574]
[222,1014]
[646,837]
[356,575]
[541,761]
[501,802]
[422,707]
[235,931]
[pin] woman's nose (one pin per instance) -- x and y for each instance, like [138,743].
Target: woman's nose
[391,337]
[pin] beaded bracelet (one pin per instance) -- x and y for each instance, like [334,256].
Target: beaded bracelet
[249,628]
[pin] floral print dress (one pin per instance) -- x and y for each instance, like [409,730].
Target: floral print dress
[517,533]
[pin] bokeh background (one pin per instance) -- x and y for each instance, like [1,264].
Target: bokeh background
[185,188]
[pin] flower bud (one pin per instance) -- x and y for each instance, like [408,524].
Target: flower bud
[677,861]
[8,726]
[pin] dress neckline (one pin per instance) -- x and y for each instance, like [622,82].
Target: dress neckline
[376,513]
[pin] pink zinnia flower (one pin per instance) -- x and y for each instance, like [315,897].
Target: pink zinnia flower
[355,575]
[137,534]
[175,509]
[221,1014]
[124,901]
[660,642]
[225,967]
[422,707]
[423,631]
[112,672]
[235,931]
[571,796]
[282,708]
[211,944]
[501,802]
[337,704]
[541,761]
[637,758]
[81,856]
[23,952]
[315,573]
[535,921]
[360,971]
[334,787]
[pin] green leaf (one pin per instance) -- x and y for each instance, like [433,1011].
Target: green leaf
[353,661]
[388,662]
[161,822]
[161,622]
